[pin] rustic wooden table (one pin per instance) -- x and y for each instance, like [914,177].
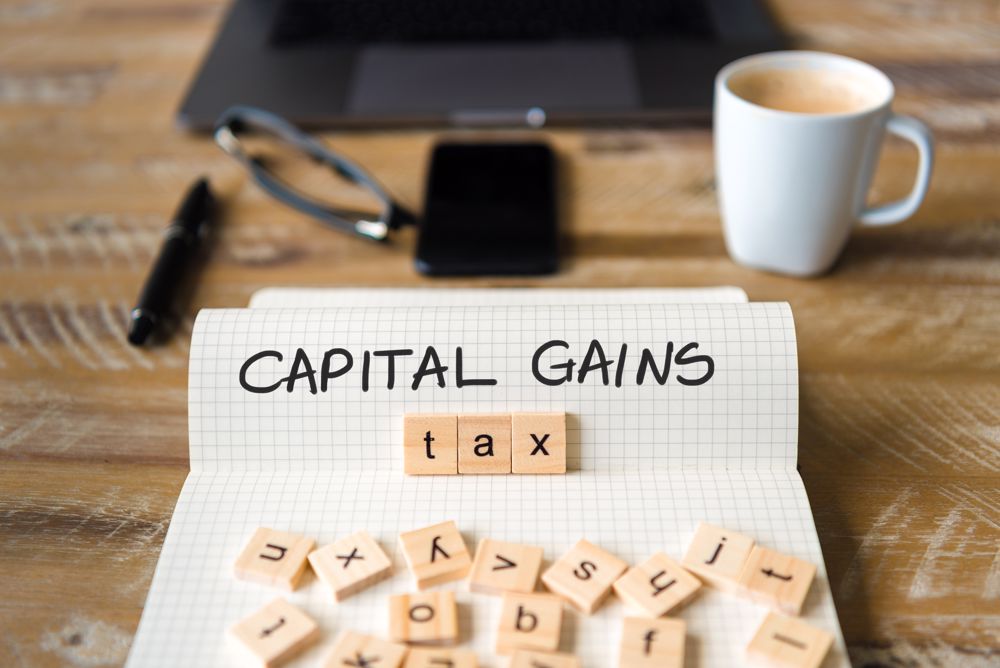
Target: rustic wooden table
[899,346]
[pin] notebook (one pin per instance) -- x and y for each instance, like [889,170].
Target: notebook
[646,462]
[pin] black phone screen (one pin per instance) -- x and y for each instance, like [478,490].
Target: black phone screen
[489,210]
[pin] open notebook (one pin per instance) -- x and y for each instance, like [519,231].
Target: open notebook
[646,462]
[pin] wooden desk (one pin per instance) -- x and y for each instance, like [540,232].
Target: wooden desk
[900,346]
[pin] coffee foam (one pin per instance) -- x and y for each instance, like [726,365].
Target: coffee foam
[805,90]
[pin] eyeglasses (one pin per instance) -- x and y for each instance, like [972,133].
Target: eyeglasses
[239,123]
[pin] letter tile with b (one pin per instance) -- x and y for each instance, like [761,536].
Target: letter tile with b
[529,621]
[274,558]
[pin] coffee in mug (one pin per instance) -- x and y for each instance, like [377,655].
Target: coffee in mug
[797,139]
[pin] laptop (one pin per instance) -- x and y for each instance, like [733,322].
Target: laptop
[372,63]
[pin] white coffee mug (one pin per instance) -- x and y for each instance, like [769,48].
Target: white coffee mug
[792,185]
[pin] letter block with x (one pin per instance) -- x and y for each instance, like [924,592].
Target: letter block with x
[350,564]
[274,558]
[539,442]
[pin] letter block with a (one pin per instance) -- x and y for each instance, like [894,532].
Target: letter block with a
[584,575]
[500,567]
[656,586]
[777,580]
[528,659]
[430,444]
[787,642]
[717,556]
[425,657]
[274,558]
[276,633]
[350,564]
[652,643]
[425,617]
[539,442]
[529,621]
[355,649]
[484,443]
[436,554]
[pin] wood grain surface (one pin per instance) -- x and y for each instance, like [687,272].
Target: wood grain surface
[899,346]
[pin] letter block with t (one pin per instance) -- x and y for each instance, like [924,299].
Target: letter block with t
[355,649]
[529,621]
[276,633]
[436,554]
[777,580]
[430,444]
[274,558]
[584,575]
[717,556]
[787,642]
[656,586]
[484,443]
[539,442]
[425,657]
[652,643]
[350,564]
[425,617]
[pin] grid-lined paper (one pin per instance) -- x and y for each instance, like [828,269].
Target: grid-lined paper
[646,465]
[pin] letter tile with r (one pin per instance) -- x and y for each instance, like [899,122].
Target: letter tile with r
[529,621]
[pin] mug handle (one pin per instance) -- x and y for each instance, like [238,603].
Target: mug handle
[913,130]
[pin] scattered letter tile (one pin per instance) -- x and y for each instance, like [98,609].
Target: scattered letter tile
[539,442]
[423,657]
[529,621]
[350,564]
[430,444]
[787,642]
[274,558]
[501,567]
[425,617]
[777,580]
[354,649]
[717,556]
[529,659]
[484,443]
[584,575]
[436,554]
[276,633]
[656,586]
[652,643]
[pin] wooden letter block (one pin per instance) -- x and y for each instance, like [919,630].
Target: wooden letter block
[350,564]
[777,580]
[422,657]
[501,567]
[584,575]
[274,558]
[436,554]
[427,617]
[652,643]
[276,633]
[355,649]
[656,586]
[528,659]
[430,444]
[717,556]
[529,621]
[786,642]
[539,442]
[484,443]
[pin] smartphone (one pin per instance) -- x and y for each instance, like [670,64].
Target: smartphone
[490,209]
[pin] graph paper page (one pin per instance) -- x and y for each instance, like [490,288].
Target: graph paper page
[744,415]
[646,464]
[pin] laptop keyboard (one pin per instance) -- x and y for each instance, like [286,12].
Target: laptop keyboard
[299,22]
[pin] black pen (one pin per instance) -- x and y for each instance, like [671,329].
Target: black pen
[179,252]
